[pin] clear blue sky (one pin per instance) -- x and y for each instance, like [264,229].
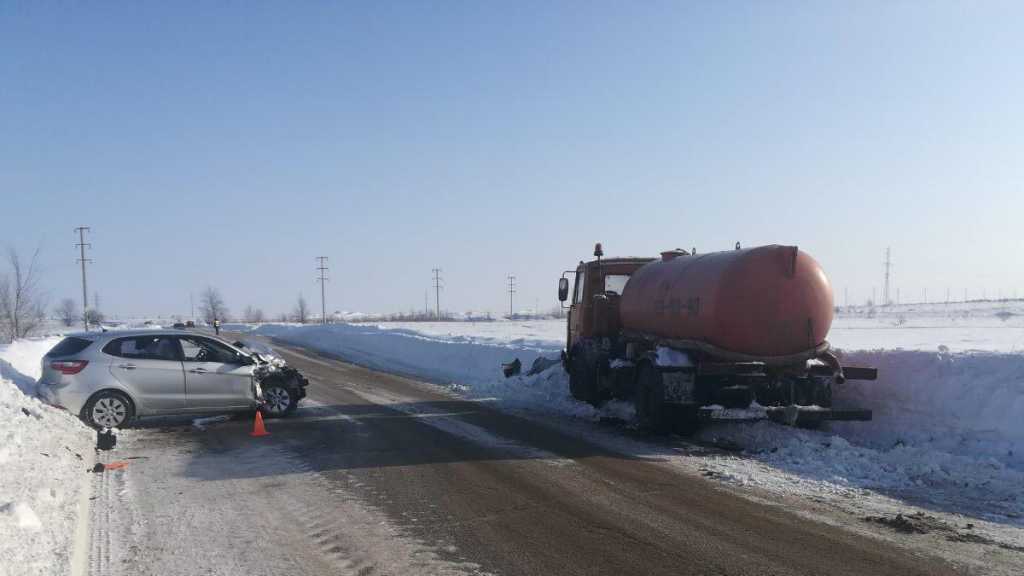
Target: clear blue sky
[231,144]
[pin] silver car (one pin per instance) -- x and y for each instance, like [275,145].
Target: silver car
[110,378]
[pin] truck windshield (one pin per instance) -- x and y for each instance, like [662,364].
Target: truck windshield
[615,283]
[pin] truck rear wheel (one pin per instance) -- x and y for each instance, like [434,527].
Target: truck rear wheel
[649,400]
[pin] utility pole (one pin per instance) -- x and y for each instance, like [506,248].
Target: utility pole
[323,282]
[888,265]
[437,292]
[82,245]
[511,291]
[192,306]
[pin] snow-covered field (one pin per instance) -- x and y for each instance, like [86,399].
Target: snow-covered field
[948,405]
[959,327]
[44,457]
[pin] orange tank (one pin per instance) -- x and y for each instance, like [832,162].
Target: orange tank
[765,302]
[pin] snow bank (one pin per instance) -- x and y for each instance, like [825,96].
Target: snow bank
[965,402]
[20,361]
[44,454]
[970,403]
[461,362]
[948,427]
[947,432]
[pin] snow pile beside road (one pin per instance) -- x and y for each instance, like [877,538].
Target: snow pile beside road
[947,432]
[470,366]
[20,361]
[960,403]
[922,473]
[44,454]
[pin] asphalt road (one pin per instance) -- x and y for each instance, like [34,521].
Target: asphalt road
[507,495]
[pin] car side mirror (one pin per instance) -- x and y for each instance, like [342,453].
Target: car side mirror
[245,360]
[563,289]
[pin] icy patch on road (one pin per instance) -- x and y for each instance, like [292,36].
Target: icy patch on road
[246,508]
[44,454]
[460,428]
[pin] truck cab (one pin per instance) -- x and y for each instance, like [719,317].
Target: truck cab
[597,285]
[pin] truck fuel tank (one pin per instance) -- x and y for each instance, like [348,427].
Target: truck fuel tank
[769,301]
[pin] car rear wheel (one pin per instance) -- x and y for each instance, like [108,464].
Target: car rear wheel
[108,409]
[279,400]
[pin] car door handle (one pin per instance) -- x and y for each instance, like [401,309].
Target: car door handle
[198,370]
[127,366]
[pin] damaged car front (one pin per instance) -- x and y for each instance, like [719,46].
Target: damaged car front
[279,385]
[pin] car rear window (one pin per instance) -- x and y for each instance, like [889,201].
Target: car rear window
[68,346]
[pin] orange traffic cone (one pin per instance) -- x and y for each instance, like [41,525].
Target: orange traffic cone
[257,426]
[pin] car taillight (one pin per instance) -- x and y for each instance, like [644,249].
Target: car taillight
[69,366]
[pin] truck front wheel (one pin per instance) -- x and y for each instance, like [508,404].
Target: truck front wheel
[583,379]
[649,400]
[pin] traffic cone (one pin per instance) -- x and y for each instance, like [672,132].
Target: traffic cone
[257,427]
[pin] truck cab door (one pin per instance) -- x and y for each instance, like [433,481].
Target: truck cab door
[576,309]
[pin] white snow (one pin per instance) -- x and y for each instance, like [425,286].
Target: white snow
[670,358]
[44,455]
[949,419]
[20,361]
[959,327]
[470,366]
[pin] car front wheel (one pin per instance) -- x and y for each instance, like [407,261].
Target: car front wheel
[278,400]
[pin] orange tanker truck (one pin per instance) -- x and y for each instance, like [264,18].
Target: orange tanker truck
[684,334]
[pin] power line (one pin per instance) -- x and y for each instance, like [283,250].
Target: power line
[82,245]
[511,291]
[438,284]
[888,265]
[323,282]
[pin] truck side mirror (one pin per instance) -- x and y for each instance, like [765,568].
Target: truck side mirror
[563,289]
